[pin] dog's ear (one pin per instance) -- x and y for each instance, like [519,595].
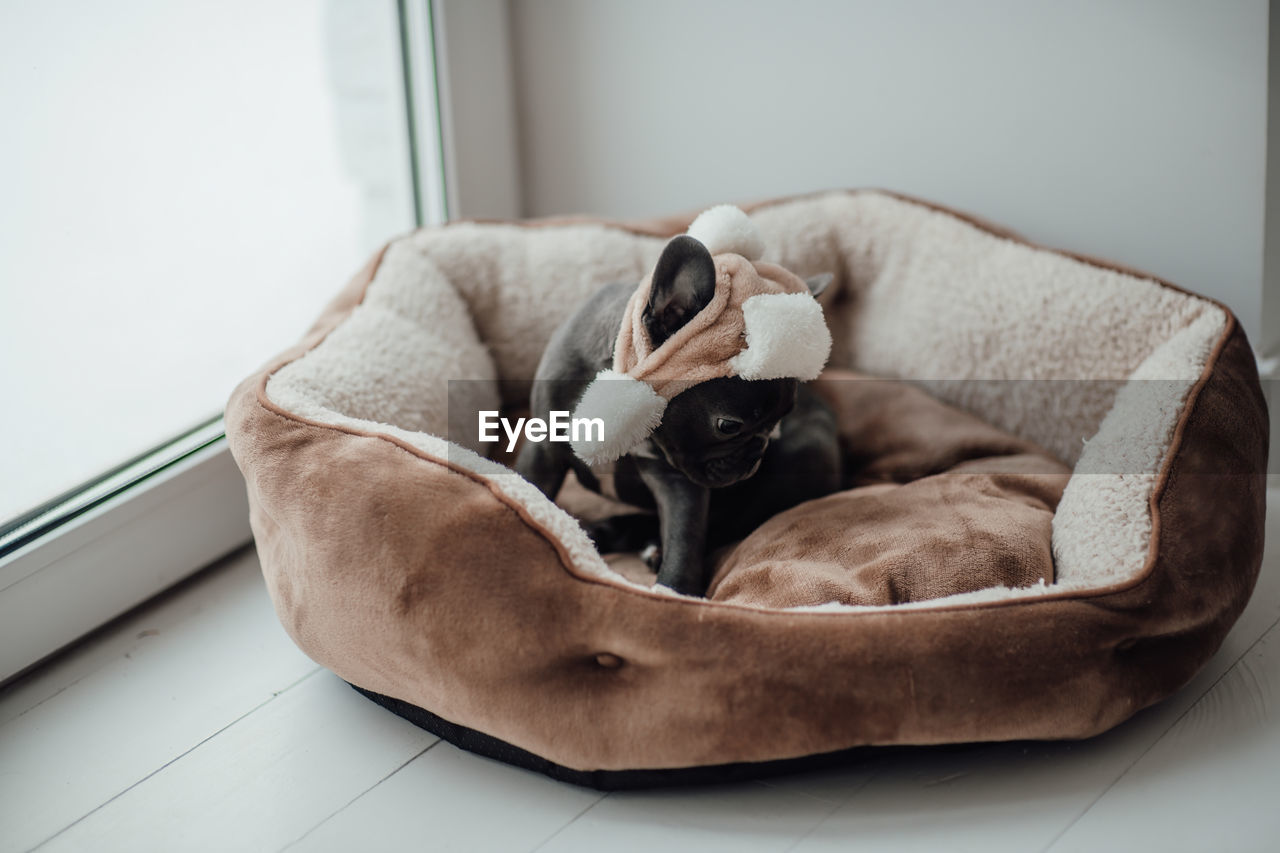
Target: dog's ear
[818,283]
[683,283]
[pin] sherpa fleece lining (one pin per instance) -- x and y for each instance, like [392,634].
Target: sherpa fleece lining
[919,294]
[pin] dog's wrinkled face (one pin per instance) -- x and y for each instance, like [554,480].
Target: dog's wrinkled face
[716,432]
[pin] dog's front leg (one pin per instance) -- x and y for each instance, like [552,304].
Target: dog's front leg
[682,524]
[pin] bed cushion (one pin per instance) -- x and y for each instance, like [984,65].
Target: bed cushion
[440,582]
[936,503]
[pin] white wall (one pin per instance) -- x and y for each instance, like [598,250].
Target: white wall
[1129,129]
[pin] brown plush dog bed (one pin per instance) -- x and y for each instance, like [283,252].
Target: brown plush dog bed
[1053,526]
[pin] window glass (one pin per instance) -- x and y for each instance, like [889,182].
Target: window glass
[182,187]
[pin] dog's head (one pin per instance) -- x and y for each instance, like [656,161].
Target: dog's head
[715,432]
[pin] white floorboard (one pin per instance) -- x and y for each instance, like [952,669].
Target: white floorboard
[450,800]
[740,818]
[263,781]
[104,722]
[195,724]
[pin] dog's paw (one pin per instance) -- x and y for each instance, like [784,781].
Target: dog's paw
[651,554]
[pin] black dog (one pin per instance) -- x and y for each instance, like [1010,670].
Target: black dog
[729,453]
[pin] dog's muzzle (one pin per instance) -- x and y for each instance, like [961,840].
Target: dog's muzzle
[737,465]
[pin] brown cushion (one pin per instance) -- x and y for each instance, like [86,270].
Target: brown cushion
[942,503]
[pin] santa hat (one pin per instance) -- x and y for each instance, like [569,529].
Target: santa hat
[761,323]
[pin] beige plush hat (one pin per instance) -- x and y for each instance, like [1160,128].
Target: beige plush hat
[761,323]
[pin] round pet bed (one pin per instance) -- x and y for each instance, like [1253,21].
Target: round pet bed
[1109,428]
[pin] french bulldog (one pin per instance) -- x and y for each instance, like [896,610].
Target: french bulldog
[728,454]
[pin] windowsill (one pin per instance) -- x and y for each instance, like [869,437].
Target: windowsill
[116,554]
[194,722]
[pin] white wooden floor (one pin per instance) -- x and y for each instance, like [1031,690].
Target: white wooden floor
[194,724]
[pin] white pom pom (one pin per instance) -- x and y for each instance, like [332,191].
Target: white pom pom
[725,228]
[629,410]
[786,337]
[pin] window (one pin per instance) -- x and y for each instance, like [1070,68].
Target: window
[186,184]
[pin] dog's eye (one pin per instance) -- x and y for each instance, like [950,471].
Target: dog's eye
[728,426]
